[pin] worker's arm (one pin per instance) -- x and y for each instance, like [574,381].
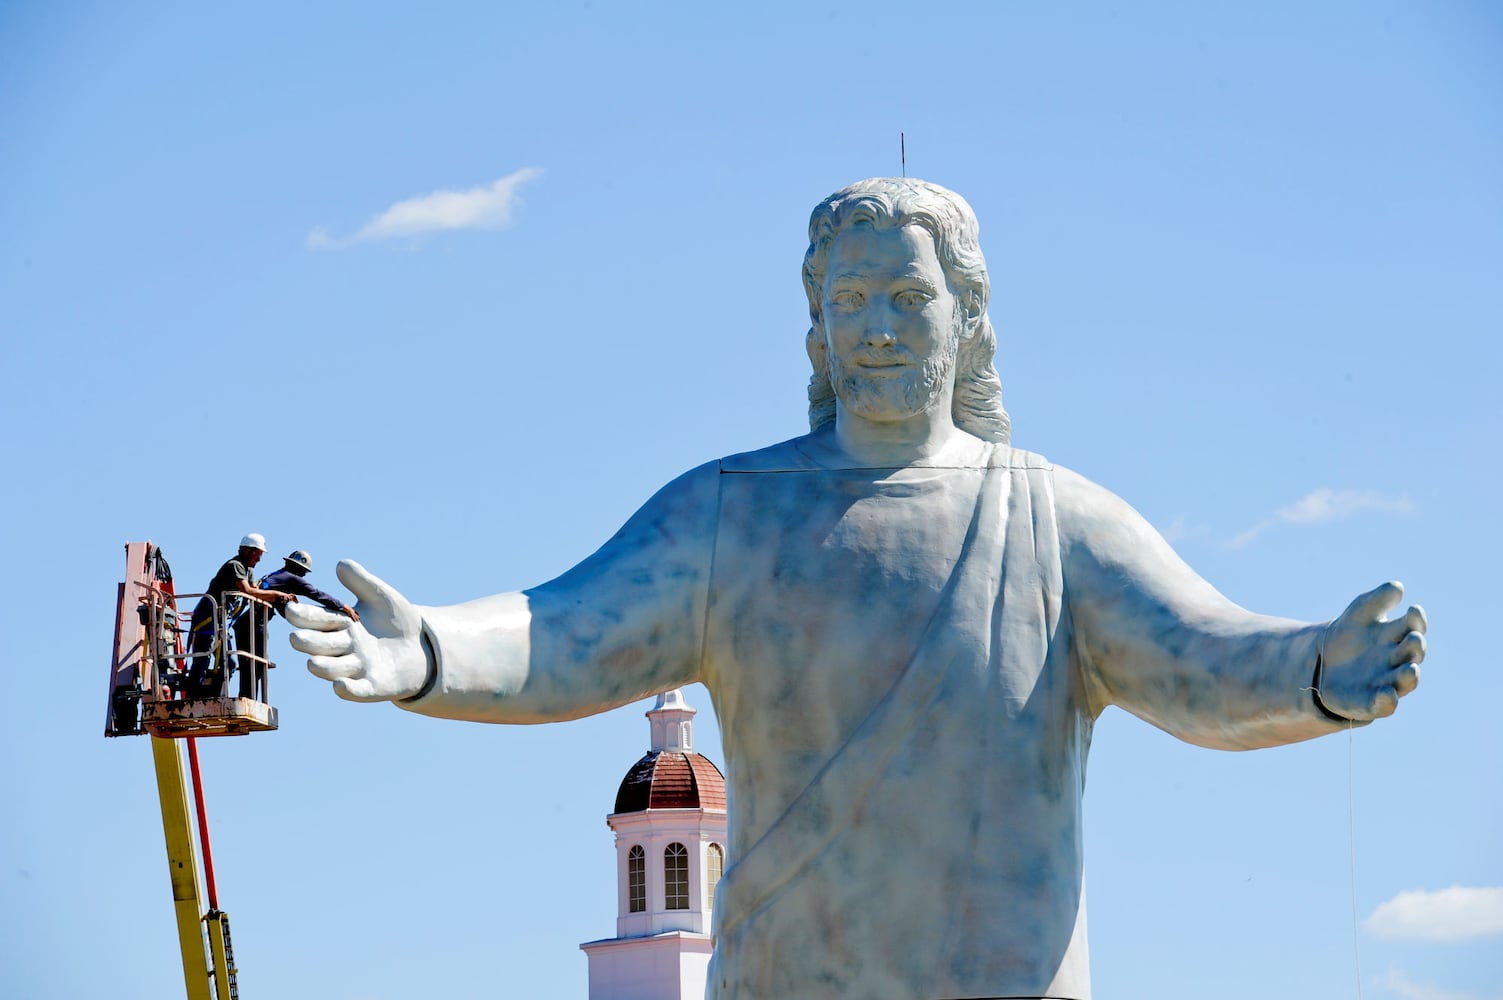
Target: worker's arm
[300,587]
[1159,641]
[624,623]
[273,597]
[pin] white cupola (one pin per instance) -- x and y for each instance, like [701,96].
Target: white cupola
[669,821]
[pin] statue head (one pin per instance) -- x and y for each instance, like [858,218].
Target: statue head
[891,202]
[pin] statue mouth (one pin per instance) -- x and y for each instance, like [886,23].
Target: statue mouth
[879,363]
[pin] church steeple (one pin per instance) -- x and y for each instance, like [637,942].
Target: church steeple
[670,825]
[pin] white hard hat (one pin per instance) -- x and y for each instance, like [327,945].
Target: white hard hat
[300,558]
[254,540]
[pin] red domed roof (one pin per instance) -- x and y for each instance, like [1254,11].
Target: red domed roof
[672,779]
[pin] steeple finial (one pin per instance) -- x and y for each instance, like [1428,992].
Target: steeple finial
[672,722]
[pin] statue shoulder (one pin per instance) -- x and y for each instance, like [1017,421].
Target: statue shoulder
[1094,520]
[696,486]
[795,454]
[815,451]
[1006,456]
[683,511]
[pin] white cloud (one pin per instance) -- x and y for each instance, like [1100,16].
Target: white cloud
[1396,982]
[488,206]
[1324,505]
[1453,914]
[1328,505]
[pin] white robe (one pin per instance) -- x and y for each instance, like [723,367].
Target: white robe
[906,665]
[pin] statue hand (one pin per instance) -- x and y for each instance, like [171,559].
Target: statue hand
[376,655]
[1369,663]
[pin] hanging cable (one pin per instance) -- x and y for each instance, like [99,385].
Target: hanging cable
[1351,850]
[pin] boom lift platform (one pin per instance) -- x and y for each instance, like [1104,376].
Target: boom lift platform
[148,684]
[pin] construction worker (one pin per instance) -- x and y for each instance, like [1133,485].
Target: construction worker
[250,627]
[232,581]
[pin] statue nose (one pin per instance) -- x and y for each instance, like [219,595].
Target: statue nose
[880,334]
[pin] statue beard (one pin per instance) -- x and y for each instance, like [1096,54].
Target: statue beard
[916,388]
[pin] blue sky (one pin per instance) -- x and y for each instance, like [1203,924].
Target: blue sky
[1246,273]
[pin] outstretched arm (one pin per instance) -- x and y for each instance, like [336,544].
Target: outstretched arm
[1159,641]
[622,624]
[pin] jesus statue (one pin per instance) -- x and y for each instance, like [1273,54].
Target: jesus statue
[908,628]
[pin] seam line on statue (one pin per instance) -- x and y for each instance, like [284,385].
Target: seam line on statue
[704,621]
[1315,691]
[871,468]
[430,658]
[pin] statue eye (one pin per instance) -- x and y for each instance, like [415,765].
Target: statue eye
[913,298]
[847,299]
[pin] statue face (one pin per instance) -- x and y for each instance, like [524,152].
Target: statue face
[891,323]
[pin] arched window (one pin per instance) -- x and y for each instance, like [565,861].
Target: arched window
[676,877]
[636,879]
[714,865]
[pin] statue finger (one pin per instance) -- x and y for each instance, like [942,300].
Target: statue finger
[323,643]
[335,668]
[356,689]
[1410,649]
[369,588]
[310,640]
[1373,605]
[1406,678]
[1384,702]
[314,617]
[1412,620]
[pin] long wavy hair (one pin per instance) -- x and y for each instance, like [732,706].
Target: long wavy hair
[891,202]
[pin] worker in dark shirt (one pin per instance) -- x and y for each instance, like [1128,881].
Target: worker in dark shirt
[290,579]
[230,583]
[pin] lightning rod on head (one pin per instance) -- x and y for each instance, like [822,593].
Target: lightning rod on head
[903,151]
